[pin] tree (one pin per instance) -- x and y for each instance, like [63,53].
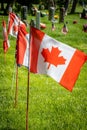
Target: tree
[66,3]
[2,5]
[74,6]
[51,3]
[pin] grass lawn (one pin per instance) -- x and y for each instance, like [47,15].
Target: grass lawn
[51,106]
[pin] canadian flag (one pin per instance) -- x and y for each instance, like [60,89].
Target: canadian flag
[22,47]
[13,23]
[60,61]
[6,44]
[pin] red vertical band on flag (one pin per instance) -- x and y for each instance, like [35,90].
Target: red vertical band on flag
[5,37]
[11,21]
[36,38]
[73,70]
[5,46]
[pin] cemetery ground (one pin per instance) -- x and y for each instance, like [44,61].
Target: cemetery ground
[51,106]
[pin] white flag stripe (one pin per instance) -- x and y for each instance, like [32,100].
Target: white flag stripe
[54,72]
[8,43]
[26,56]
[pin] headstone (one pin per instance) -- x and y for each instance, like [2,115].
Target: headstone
[24,11]
[38,19]
[51,13]
[85,27]
[84,13]
[62,14]
[10,9]
[32,23]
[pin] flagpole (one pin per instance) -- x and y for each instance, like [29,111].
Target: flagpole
[4,52]
[4,58]
[27,107]
[16,91]
[28,90]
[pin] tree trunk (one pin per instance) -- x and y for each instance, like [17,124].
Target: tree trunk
[2,5]
[51,3]
[51,9]
[66,3]
[74,6]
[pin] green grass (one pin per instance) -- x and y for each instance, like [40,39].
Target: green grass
[51,107]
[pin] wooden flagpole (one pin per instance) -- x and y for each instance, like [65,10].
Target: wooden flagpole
[28,88]
[16,91]
[3,41]
[4,57]
[27,107]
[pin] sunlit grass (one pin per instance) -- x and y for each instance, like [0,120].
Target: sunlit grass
[51,106]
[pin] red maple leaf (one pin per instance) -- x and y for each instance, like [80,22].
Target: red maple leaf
[53,56]
[15,28]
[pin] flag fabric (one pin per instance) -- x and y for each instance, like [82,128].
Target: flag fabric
[22,47]
[13,22]
[6,44]
[58,60]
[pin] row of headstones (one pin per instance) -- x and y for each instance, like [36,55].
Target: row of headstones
[24,12]
[38,15]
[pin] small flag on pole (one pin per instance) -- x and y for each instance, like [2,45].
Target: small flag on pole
[6,44]
[13,22]
[22,47]
[56,59]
